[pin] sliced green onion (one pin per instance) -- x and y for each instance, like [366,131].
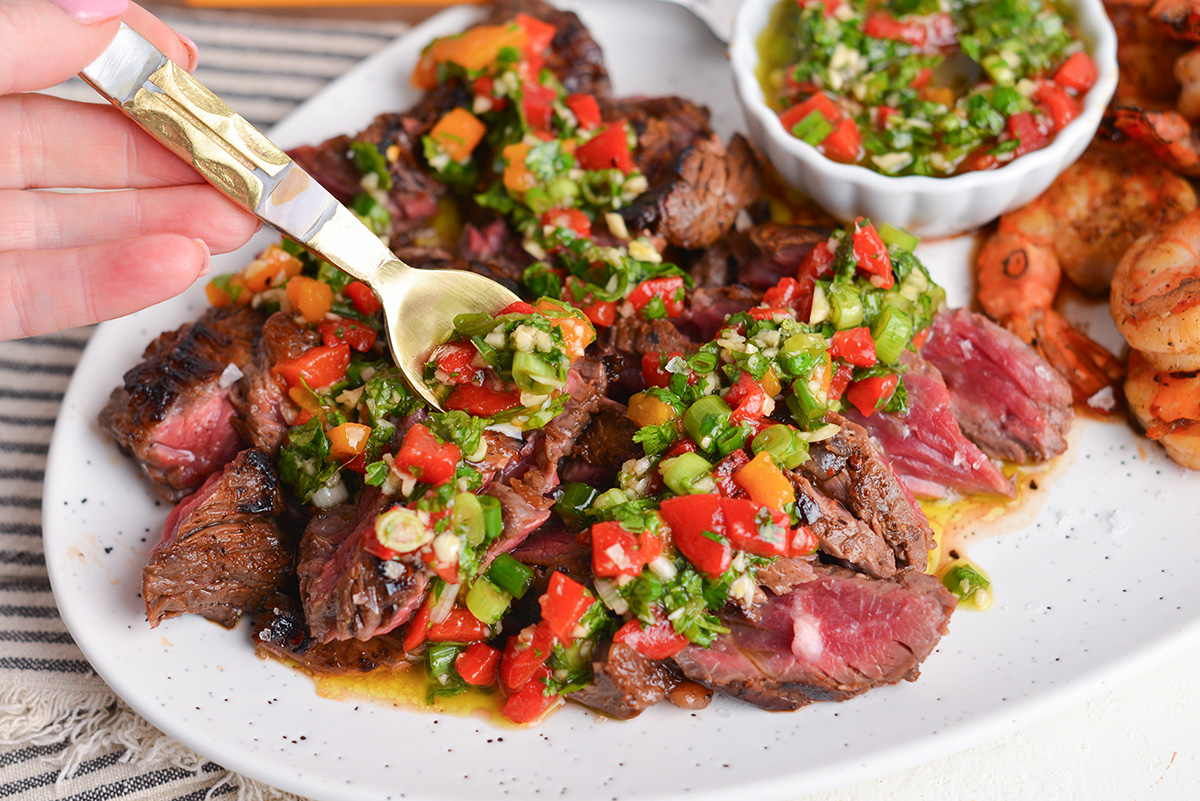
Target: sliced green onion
[466,519]
[891,332]
[813,128]
[488,602]
[898,237]
[703,416]
[440,657]
[970,584]
[820,306]
[845,303]
[534,374]
[683,472]
[575,500]
[804,402]
[788,450]
[402,530]
[510,575]
[493,519]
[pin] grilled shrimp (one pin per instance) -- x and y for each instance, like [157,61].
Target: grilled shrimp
[1187,72]
[1167,405]
[1155,299]
[1180,18]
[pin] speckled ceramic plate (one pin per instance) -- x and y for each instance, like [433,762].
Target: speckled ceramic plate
[1099,585]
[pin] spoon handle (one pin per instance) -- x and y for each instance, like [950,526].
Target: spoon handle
[232,154]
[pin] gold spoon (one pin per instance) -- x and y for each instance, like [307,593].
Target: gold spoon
[173,107]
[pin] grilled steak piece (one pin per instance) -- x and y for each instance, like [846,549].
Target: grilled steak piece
[840,534]
[707,308]
[606,443]
[265,412]
[221,552]
[829,639]
[573,55]
[173,413]
[639,337]
[847,468]
[1006,398]
[280,632]
[554,548]
[779,251]
[497,246]
[925,445]
[347,592]
[626,682]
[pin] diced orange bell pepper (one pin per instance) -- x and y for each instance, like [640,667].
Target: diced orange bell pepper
[425,74]
[348,440]
[577,332]
[765,482]
[216,296]
[311,298]
[478,47]
[646,410]
[517,177]
[274,267]
[458,132]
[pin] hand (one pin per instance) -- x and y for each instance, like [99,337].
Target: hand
[68,259]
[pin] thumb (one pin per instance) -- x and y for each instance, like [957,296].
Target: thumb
[44,42]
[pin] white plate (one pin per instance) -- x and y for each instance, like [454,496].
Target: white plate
[1100,586]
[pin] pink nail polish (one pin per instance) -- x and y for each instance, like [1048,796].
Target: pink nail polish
[205,255]
[192,50]
[90,12]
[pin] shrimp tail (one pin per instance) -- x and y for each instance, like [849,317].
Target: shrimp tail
[1088,368]
[1166,135]
[1180,18]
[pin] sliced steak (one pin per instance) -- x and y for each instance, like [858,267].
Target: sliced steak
[281,633]
[665,126]
[780,249]
[221,552]
[555,548]
[925,445]
[707,308]
[829,639]
[173,413]
[847,468]
[607,442]
[626,683]
[639,337]
[495,245]
[1006,398]
[347,592]
[573,56]
[841,535]
[265,412]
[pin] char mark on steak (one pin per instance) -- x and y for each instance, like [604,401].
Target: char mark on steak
[173,413]
[280,632]
[626,683]
[925,445]
[640,337]
[264,409]
[847,468]
[221,552]
[828,639]
[841,535]
[573,56]
[347,592]
[1007,399]
[605,444]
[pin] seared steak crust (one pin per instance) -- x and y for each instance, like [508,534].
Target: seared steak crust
[574,56]
[264,409]
[281,632]
[626,682]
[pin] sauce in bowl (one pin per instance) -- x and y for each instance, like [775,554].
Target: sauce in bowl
[923,87]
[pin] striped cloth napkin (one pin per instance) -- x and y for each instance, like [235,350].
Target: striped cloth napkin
[63,733]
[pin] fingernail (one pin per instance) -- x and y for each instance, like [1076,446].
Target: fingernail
[205,257]
[193,51]
[90,12]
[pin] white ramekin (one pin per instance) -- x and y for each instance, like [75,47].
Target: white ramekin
[929,207]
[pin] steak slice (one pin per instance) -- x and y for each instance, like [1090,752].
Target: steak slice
[280,632]
[1007,399]
[829,639]
[173,413]
[605,445]
[573,55]
[221,552]
[639,337]
[847,468]
[707,307]
[625,683]
[840,534]
[265,412]
[925,445]
[347,592]
[780,249]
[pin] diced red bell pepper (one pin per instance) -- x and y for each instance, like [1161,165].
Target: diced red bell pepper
[883,114]
[803,542]
[882,25]
[723,473]
[978,160]
[602,312]
[459,626]
[747,398]
[1078,72]
[841,380]
[869,394]
[563,605]
[854,346]
[351,332]
[530,702]
[418,626]
[538,34]
[586,110]
[942,31]
[316,367]
[572,219]
[1055,102]
[482,401]
[844,142]
[783,295]
[524,654]
[659,641]
[745,534]
[830,5]
[477,664]
[518,307]
[920,337]
[363,298]
[818,101]
[682,445]
[922,78]
[537,103]
[669,288]
[427,459]
[1025,128]
[872,254]
[455,360]
[654,369]
[608,149]
[697,528]
[446,570]
[617,552]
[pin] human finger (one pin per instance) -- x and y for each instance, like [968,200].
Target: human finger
[39,220]
[49,290]
[44,42]
[55,143]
